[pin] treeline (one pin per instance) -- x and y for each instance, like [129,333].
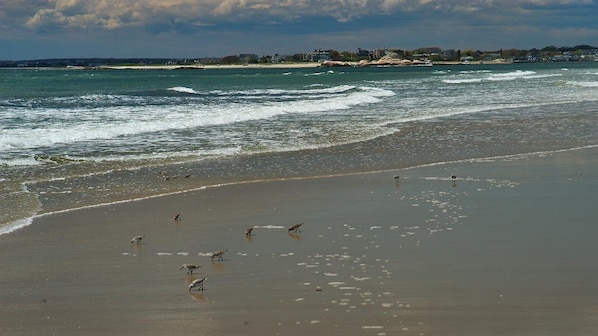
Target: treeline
[431,53]
[84,62]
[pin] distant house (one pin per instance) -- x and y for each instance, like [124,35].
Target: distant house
[318,56]
[248,58]
[279,58]
[378,53]
[449,55]
[363,52]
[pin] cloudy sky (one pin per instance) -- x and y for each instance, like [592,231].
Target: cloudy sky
[31,29]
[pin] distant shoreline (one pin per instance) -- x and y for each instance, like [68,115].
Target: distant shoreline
[219,66]
[299,65]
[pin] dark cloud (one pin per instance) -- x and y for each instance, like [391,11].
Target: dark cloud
[342,23]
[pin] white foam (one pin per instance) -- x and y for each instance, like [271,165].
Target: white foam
[69,125]
[183,89]
[488,76]
[586,84]
[15,225]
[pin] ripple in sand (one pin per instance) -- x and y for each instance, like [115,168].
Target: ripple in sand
[269,227]
[336,283]
[286,254]
[311,265]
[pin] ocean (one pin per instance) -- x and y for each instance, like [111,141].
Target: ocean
[81,138]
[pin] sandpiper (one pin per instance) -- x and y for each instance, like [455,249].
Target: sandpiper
[295,227]
[197,284]
[190,268]
[249,231]
[218,255]
[177,217]
[137,239]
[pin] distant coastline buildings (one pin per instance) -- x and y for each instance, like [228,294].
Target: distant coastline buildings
[360,57]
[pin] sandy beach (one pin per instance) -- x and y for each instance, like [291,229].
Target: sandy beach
[218,66]
[506,248]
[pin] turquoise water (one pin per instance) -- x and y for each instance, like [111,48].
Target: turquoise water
[73,138]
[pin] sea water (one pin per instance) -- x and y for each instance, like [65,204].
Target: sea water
[76,138]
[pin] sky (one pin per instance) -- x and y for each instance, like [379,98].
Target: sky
[36,29]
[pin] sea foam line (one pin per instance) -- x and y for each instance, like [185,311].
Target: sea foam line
[21,223]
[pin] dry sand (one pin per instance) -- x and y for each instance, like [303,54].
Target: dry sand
[508,248]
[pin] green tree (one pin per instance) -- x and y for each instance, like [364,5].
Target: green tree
[347,56]
[232,59]
[334,55]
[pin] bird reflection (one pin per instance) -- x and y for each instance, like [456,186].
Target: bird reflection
[218,266]
[295,236]
[197,296]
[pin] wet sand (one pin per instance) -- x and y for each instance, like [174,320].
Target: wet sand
[507,248]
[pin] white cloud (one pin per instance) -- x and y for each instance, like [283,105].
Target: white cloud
[111,14]
[193,16]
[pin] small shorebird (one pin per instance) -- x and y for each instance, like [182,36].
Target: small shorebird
[397,177]
[218,255]
[295,227]
[137,239]
[248,231]
[177,217]
[190,268]
[453,177]
[197,284]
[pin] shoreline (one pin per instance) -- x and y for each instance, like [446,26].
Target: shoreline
[301,65]
[25,222]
